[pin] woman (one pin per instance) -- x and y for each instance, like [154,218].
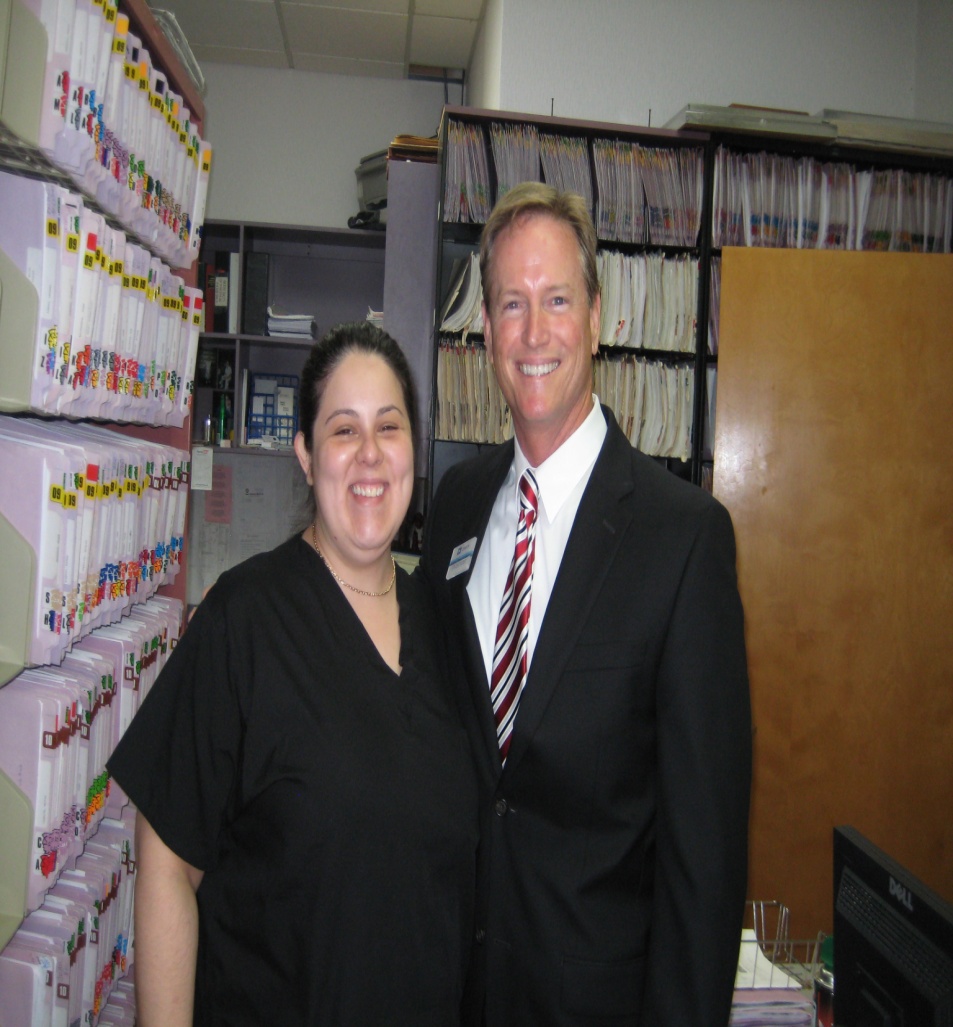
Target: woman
[307,810]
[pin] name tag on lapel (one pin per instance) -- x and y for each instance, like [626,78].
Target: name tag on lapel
[461,558]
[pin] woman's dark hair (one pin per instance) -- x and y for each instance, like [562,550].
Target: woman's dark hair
[326,355]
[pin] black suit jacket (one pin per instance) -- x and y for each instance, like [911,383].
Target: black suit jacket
[614,851]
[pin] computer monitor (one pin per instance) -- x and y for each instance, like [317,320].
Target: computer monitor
[893,941]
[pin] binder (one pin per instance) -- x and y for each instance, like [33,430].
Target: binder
[222,289]
[193,318]
[255,312]
[104,399]
[200,153]
[234,292]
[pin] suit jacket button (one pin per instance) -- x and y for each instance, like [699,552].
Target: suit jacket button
[480,935]
[500,807]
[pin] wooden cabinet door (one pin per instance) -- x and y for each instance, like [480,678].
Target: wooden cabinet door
[832,452]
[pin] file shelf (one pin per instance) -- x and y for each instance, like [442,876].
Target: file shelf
[161,210]
[636,223]
[21,311]
[105,117]
[328,275]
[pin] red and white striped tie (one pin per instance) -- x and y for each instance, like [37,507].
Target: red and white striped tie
[510,654]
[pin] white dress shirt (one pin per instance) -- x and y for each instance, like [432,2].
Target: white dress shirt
[562,479]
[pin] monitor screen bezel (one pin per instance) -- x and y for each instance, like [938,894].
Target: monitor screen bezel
[873,982]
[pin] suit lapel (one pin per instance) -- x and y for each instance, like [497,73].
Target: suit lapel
[485,487]
[601,522]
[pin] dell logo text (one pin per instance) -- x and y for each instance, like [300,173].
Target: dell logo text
[898,892]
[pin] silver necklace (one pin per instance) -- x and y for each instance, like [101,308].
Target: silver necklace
[341,581]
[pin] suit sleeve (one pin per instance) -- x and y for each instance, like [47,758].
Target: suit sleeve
[704,775]
[443,519]
[423,572]
[431,534]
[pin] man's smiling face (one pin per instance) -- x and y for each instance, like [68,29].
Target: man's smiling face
[541,332]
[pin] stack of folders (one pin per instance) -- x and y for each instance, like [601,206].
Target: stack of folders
[120,1009]
[109,119]
[648,195]
[422,149]
[93,325]
[642,194]
[648,301]
[470,406]
[463,308]
[620,209]
[63,963]
[58,727]
[466,195]
[566,165]
[711,405]
[101,519]
[673,192]
[714,305]
[291,326]
[515,155]
[60,724]
[763,199]
[653,403]
[766,995]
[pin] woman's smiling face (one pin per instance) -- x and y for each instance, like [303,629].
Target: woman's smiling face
[361,464]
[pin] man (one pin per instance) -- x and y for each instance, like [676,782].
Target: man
[617,770]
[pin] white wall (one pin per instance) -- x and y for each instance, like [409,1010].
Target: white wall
[616,60]
[934,80]
[286,143]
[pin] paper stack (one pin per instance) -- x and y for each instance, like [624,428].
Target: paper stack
[765,993]
[463,307]
[291,326]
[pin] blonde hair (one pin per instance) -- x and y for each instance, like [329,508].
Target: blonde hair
[535,199]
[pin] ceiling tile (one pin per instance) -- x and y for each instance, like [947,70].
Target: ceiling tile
[239,24]
[441,42]
[362,37]
[348,66]
[378,6]
[470,9]
[251,58]
[335,32]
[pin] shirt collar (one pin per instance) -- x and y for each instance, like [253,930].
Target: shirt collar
[561,472]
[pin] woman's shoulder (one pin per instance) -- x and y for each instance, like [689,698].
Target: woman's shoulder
[417,609]
[414,593]
[263,573]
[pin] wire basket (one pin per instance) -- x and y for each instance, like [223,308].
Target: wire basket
[770,958]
